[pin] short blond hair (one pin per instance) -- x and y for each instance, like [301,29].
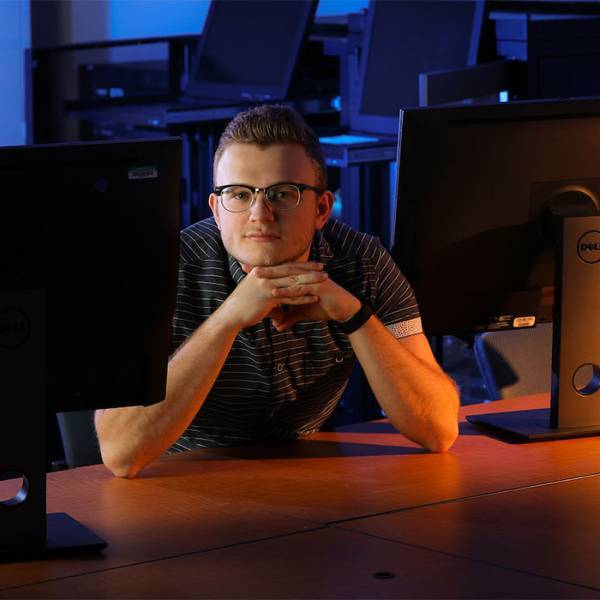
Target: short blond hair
[271,124]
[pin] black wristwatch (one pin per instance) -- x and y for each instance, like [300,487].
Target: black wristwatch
[358,320]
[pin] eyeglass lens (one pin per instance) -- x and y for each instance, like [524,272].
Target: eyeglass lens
[238,198]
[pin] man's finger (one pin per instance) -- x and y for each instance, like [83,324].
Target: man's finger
[285,319]
[301,289]
[306,312]
[287,322]
[300,279]
[277,314]
[308,299]
[287,269]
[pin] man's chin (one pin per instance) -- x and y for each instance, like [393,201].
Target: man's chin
[260,261]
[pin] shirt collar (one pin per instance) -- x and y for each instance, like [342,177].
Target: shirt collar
[235,270]
[320,250]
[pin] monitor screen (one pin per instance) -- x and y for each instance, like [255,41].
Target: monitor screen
[474,189]
[248,50]
[405,38]
[95,228]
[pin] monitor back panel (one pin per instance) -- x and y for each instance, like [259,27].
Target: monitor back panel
[95,226]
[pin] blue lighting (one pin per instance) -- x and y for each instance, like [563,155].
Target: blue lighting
[336,211]
[347,139]
[340,7]
[146,18]
[14,39]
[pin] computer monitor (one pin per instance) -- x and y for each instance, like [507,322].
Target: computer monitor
[497,215]
[402,39]
[89,247]
[248,50]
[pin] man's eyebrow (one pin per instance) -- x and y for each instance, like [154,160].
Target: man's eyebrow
[281,182]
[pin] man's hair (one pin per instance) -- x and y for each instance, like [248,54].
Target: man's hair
[268,125]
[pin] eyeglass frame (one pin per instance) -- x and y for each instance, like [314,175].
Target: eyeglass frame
[301,187]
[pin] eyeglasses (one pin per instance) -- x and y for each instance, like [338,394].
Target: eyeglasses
[281,196]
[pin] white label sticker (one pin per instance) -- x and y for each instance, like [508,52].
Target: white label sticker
[143,173]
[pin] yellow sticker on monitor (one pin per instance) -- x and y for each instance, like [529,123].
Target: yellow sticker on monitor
[524,322]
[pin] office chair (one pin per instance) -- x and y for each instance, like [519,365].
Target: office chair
[79,439]
[516,362]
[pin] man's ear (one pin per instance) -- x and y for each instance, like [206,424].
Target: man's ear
[324,208]
[213,202]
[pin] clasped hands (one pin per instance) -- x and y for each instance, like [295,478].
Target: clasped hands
[288,293]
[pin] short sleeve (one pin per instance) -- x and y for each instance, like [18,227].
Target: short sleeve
[184,320]
[201,272]
[395,302]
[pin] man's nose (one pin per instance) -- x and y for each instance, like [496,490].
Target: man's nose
[261,209]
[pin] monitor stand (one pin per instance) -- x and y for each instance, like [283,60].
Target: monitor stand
[575,399]
[529,426]
[26,532]
[64,534]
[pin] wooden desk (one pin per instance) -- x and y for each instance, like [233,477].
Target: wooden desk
[170,529]
[328,563]
[551,530]
[369,469]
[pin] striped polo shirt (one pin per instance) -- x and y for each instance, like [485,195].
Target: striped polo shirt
[280,385]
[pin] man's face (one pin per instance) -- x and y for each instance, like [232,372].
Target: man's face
[262,236]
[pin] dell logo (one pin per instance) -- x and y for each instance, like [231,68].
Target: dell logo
[588,247]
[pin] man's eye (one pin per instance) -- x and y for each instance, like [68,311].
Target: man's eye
[279,195]
[237,195]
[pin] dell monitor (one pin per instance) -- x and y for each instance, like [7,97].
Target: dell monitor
[497,227]
[248,50]
[89,238]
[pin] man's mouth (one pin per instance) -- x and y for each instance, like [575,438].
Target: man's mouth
[262,236]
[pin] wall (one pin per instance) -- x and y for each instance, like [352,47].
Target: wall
[147,18]
[14,39]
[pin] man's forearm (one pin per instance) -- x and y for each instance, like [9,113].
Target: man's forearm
[420,400]
[132,437]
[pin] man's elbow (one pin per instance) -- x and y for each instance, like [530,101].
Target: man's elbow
[120,466]
[442,437]
[442,443]
[444,430]
[123,471]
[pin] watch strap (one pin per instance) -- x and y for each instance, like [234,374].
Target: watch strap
[358,320]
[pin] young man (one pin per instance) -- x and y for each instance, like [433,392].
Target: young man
[275,302]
